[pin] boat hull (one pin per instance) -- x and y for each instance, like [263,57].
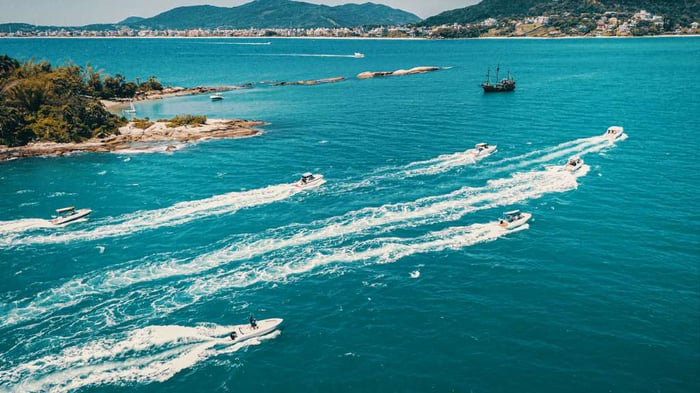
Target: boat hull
[71,217]
[316,182]
[483,152]
[498,87]
[614,133]
[246,332]
[524,218]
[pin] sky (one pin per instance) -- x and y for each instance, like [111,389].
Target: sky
[84,12]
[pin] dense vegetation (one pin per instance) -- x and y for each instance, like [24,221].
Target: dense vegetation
[185,120]
[676,12]
[41,103]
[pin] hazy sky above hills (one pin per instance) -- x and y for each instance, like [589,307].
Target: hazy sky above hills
[83,12]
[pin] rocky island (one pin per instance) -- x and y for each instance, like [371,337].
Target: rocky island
[155,136]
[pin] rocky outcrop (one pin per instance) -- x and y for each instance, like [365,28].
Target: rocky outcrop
[311,82]
[414,70]
[130,135]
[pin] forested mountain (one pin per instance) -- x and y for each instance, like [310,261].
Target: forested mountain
[681,12]
[277,14]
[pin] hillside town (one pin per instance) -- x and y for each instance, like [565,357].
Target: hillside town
[609,24]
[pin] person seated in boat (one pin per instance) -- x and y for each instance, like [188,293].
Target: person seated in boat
[233,336]
[253,322]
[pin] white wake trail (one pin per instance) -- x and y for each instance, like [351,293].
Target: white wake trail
[377,220]
[150,354]
[176,214]
[8,228]
[379,250]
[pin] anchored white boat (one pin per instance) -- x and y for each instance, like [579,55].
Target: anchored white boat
[514,219]
[68,214]
[309,180]
[254,329]
[216,97]
[131,110]
[483,149]
[614,133]
[573,164]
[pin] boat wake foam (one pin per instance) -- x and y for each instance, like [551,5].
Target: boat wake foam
[7,228]
[176,214]
[287,242]
[150,354]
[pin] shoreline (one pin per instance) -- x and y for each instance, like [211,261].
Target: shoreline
[157,137]
[358,38]
[168,92]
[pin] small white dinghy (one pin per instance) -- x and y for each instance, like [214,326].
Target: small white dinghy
[573,164]
[68,214]
[614,133]
[309,180]
[254,329]
[483,149]
[216,97]
[514,219]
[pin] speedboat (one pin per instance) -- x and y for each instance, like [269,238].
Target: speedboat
[483,149]
[573,164]
[358,55]
[513,219]
[614,133]
[68,214]
[259,328]
[309,180]
[216,97]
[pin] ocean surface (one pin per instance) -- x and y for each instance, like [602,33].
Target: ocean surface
[392,276]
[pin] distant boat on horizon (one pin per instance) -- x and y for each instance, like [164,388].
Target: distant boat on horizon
[358,55]
[504,85]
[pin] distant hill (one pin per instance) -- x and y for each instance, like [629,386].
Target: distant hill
[276,14]
[131,20]
[679,11]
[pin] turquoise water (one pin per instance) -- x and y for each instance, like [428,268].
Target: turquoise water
[599,292]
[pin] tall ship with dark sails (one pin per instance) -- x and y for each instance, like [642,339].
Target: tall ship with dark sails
[505,84]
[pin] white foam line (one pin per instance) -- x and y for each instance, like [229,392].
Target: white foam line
[447,162]
[560,146]
[303,55]
[425,211]
[577,149]
[380,250]
[23,225]
[150,354]
[177,214]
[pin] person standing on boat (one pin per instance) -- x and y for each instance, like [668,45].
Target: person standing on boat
[253,322]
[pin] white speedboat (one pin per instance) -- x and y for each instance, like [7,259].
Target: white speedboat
[216,97]
[514,219]
[358,55]
[573,164]
[483,149]
[614,133]
[260,328]
[68,214]
[309,180]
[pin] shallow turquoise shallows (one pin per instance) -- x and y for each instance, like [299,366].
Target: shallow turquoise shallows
[394,276]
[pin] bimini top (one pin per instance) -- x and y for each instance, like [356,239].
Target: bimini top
[307,174]
[483,144]
[512,213]
[65,209]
